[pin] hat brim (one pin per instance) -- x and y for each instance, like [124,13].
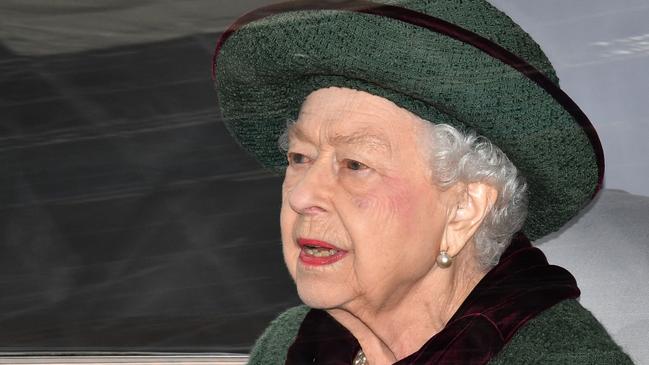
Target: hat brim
[270,60]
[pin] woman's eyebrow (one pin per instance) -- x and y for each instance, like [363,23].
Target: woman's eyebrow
[294,131]
[363,139]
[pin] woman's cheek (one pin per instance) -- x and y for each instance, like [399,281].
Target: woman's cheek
[358,183]
[387,198]
[358,189]
[364,203]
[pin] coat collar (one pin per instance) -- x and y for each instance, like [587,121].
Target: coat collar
[516,290]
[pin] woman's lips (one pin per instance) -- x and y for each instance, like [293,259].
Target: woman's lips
[319,253]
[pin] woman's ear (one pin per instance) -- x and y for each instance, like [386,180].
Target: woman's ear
[474,200]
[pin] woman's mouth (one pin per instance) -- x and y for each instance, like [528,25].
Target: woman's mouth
[318,253]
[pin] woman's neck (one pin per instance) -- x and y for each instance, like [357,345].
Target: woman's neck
[388,333]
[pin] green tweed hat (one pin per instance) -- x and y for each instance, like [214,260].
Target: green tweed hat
[461,62]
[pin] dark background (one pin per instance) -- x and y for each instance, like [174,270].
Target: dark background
[129,220]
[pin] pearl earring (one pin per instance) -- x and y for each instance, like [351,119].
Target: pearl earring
[444,260]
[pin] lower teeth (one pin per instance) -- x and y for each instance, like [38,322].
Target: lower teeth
[317,252]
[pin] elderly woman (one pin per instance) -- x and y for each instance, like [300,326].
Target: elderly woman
[419,133]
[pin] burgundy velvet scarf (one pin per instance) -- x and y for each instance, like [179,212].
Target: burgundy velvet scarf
[520,287]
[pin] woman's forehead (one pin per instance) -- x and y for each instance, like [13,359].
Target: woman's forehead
[346,115]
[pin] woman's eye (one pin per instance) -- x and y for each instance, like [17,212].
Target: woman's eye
[355,165]
[296,158]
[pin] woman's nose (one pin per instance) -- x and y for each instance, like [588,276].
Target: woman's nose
[311,193]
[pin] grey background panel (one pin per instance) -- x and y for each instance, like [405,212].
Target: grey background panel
[129,219]
[600,49]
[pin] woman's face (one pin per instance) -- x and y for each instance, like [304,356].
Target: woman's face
[361,218]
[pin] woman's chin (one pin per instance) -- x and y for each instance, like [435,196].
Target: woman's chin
[317,297]
[319,303]
[323,286]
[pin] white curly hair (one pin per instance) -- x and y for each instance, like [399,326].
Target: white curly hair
[455,157]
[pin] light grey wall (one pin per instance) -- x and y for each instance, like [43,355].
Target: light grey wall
[600,49]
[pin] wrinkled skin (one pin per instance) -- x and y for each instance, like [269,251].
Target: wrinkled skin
[359,180]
